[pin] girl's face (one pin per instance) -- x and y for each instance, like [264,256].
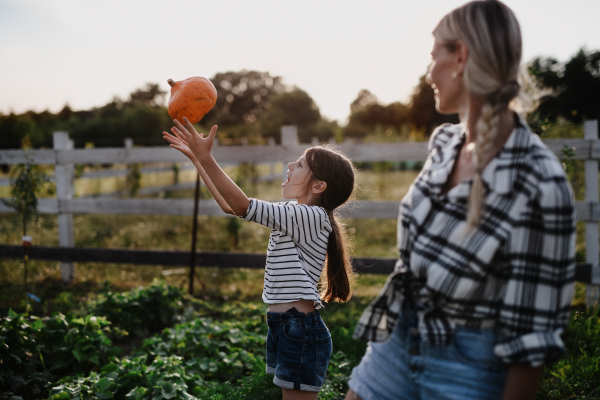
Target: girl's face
[445,77]
[298,183]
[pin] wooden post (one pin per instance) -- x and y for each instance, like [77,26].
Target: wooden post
[289,137]
[194,230]
[272,165]
[64,191]
[592,233]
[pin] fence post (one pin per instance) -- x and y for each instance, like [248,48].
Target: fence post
[289,137]
[272,165]
[64,191]
[592,233]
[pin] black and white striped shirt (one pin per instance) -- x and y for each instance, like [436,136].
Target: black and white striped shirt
[296,251]
[515,272]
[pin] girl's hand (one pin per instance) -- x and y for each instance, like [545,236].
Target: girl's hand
[197,143]
[179,144]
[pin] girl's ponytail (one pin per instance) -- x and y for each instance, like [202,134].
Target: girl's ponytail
[338,269]
[338,172]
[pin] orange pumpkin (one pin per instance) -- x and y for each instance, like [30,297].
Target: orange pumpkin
[191,98]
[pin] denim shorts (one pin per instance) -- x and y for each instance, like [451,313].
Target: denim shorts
[407,367]
[298,349]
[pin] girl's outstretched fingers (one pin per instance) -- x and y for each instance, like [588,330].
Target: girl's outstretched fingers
[213,132]
[189,125]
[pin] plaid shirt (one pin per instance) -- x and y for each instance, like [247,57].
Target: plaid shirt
[515,272]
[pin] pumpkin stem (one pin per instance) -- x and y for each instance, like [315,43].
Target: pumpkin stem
[171,82]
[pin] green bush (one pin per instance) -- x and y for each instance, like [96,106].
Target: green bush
[181,362]
[217,356]
[576,376]
[22,370]
[142,311]
[35,352]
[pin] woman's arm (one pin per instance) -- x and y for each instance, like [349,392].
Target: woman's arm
[178,143]
[201,148]
[522,382]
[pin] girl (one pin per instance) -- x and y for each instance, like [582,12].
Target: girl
[305,239]
[486,235]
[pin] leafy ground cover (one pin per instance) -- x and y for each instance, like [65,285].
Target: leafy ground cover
[213,359]
[208,350]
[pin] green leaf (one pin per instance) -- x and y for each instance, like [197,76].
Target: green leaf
[103,384]
[78,355]
[137,393]
[37,325]
[168,390]
[61,396]
[104,395]
[110,368]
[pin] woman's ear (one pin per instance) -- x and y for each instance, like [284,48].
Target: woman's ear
[318,186]
[461,56]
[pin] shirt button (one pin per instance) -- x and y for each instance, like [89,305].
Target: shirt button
[414,332]
[413,368]
[413,351]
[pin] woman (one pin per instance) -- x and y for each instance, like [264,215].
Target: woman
[486,234]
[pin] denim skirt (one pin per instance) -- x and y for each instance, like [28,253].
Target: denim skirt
[298,349]
[407,367]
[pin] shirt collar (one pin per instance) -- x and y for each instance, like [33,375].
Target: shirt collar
[498,176]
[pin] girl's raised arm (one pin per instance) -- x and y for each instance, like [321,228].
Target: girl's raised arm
[201,148]
[180,144]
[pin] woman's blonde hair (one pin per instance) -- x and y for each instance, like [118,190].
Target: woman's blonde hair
[492,72]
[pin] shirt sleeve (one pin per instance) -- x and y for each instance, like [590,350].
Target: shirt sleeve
[301,222]
[540,285]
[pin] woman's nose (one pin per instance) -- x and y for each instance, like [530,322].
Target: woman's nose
[291,166]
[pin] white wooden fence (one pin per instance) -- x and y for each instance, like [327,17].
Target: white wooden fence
[64,156]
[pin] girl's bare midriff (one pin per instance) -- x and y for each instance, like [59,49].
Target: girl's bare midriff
[303,306]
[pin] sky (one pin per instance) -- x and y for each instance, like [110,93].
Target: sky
[83,53]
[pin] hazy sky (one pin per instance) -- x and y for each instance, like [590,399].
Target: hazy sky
[84,52]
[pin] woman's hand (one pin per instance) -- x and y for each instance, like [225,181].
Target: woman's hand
[199,145]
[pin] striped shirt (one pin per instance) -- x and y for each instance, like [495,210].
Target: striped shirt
[514,273]
[296,252]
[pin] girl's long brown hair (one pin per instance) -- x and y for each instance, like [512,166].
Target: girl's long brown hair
[338,172]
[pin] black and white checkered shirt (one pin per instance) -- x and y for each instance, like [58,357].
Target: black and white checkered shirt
[515,272]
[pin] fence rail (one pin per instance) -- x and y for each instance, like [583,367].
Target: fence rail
[369,265]
[63,156]
[588,212]
[400,151]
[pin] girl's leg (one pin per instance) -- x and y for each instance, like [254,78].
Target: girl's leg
[291,394]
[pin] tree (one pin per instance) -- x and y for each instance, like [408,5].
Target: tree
[26,183]
[422,113]
[293,107]
[242,97]
[367,115]
[151,96]
[574,87]
[364,99]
